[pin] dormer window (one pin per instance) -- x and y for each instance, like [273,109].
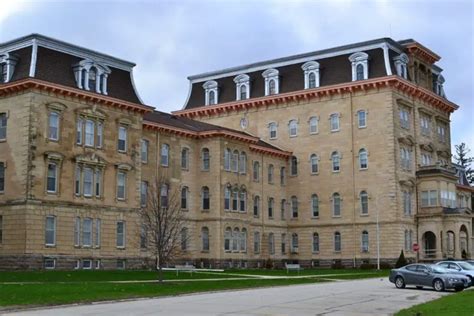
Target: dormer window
[311,74]
[401,63]
[360,66]
[242,87]
[91,76]
[271,81]
[7,67]
[211,92]
[438,85]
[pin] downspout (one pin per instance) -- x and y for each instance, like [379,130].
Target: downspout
[353,184]
[262,208]
[386,59]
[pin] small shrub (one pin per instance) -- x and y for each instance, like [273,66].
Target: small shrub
[402,261]
[368,266]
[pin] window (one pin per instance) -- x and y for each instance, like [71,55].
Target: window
[89,133]
[256,171]
[360,66]
[429,198]
[314,160]
[256,206]
[143,237]
[243,163]
[52,178]
[271,206]
[50,231]
[242,87]
[1,229]
[405,118]
[165,152]
[205,198]
[77,231]
[235,199]
[121,185]
[256,242]
[311,74]
[120,234]
[211,91]
[336,161]
[236,240]
[184,198]
[294,166]
[293,128]
[314,205]
[365,241]
[3,72]
[272,128]
[79,127]
[441,132]
[334,120]
[3,126]
[49,263]
[121,264]
[87,232]
[407,202]
[294,243]
[53,131]
[405,158]
[2,177]
[294,207]
[235,161]
[271,243]
[270,173]
[98,234]
[227,198]
[164,190]
[337,241]
[227,154]
[313,125]
[91,75]
[425,125]
[205,238]
[425,159]
[87,264]
[283,209]
[336,205]
[184,239]
[206,161]
[144,150]
[143,193]
[282,176]
[408,239]
[271,81]
[363,159]
[283,243]
[364,202]
[243,200]
[122,139]
[315,242]
[185,158]
[100,135]
[92,79]
[401,63]
[88,181]
[362,118]
[243,240]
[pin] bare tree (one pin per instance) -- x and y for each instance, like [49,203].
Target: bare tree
[163,222]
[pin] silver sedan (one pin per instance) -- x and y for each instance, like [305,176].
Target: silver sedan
[428,275]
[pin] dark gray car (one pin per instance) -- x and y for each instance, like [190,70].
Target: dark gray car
[459,267]
[428,275]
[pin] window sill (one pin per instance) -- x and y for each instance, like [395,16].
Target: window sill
[120,248]
[205,211]
[164,166]
[3,140]
[293,136]
[122,151]
[363,169]
[314,217]
[336,171]
[50,245]
[51,193]
[316,133]
[335,131]
[364,215]
[204,251]
[314,173]
[336,216]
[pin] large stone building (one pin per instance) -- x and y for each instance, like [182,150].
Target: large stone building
[337,156]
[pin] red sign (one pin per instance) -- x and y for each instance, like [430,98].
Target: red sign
[416,247]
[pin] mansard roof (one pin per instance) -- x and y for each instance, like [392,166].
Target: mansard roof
[52,60]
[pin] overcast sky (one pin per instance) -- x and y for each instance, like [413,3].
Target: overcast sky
[170,40]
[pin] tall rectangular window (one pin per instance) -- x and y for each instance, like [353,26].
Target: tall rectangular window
[77,231]
[52,178]
[98,233]
[121,183]
[442,133]
[89,133]
[53,132]
[334,122]
[2,177]
[362,118]
[87,232]
[79,127]
[425,125]
[121,234]
[143,237]
[50,231]
[98,183]
[88,181]
[256,242]
[1,229]
[100,135]
[429,198]
[407,203]
[122,139]
[3,126]
[143,193]
[144,150]
[404,118]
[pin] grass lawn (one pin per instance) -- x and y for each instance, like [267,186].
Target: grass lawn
[282,272]
[458,304]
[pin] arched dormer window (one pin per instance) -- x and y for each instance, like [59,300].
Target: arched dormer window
[272,82]
[7,67]
[401,64]
[360,66]
[438,85]
[311,74]
[211,92]
[91,76]
[242,87]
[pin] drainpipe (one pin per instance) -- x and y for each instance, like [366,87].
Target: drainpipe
[353,184]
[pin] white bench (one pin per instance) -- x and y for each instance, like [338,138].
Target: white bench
[293,267]
[186,268]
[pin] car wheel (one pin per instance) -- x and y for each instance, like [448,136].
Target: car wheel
[438,285]
[419,287]
[459,288]
[399,282]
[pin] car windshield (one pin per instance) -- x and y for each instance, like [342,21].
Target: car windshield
[466,266]
[439,269]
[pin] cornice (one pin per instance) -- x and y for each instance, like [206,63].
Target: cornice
[422,52]
[31,83]
[393,81]
[465,187]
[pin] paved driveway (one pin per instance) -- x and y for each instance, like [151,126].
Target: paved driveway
[359,297]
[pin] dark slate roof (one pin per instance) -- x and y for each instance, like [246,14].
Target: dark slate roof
[196,126]
[54,61]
